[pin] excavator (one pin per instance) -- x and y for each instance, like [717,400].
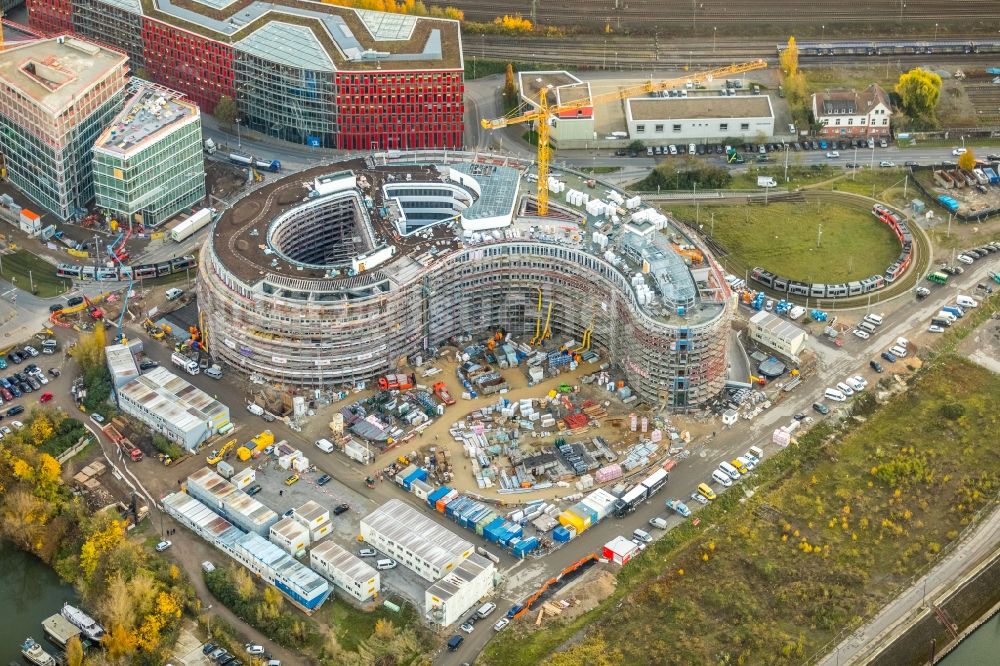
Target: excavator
[217,456]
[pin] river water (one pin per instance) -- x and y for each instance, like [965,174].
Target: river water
[30,592]
[982,647]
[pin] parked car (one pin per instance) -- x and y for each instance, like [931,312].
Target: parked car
[705,490]
[291,479]
[97,419]
[163,545]
[15,410]
[254,649]
[148,364]
[501,623]
[323,480]
[821,408]
[467,627]
[208,647]
[965,259]
[876,366]
[367,552]
[935,329]
[54,372]
[253,490]
[888,357]
[45,397]
[31,350]
[696,496]
[861,334]
[341,508]
[911,163]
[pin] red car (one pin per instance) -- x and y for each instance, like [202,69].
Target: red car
[7,395]
[45,397]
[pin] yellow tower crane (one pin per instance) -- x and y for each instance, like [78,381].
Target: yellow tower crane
[542,115]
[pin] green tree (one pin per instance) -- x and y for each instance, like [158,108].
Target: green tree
[919,91]
[225,110]
[967,161]
[637,146]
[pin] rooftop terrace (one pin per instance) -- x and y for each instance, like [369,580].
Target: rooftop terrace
[149,114]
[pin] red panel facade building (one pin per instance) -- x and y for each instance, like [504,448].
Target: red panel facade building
[354,80]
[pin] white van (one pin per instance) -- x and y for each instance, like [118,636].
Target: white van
[845,389]
[324,445]
[902,342]
[964,301]
[642,535]
[867,327]
[721,478]
[658,523]
[835,395]
[51,343]
[485,610]
[874,318]
[382,565]
[256,410]
[174,294]
[944,314]
[730,471]
[897,351]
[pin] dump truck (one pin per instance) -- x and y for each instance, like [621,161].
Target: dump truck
[441,391]
[125,445]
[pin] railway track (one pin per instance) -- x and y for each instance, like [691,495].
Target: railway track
[706,17]
[644,54]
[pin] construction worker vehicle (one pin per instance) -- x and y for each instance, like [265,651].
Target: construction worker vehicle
[441,391]
[217,456]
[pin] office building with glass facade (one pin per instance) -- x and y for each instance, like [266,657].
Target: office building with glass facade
[306,72]
[56,96]
[149,164]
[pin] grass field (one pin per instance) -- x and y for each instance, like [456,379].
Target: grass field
[782,238]
[836,526]
[24,269]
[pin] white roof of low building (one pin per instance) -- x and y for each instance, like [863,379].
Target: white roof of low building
[776,326]
[621,546]
[121,363]
[177,402]
[401,523]
[289,529]
[470,569]
[349,566]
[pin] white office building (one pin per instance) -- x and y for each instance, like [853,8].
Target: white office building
[346,571]
[699,119]
[414,540]
[171,406]
[449,599]
[779,334]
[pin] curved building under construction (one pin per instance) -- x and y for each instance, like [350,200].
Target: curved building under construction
[332,275]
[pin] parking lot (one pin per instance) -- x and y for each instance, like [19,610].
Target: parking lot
[280,497]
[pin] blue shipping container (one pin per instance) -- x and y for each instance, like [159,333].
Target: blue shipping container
[524,546]
[493,531]
[418,473]
[561,534]
[437,494]
[456,505]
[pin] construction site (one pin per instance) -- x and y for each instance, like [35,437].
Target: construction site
[431,252]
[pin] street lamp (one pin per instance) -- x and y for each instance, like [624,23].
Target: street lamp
[824,33]
[935,31]
[239,140]
[715,32]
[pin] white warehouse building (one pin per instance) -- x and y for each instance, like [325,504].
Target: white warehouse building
[447,600]
[345,571]
[171,406]
[779,334]
[699,119]
[414,540]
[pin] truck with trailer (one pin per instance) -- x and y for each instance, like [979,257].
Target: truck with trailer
[630,500]
[210,147]
[395,382]
[191,224]
[271,165]
[655,481]
[257,163]
[441,391]
[125,445]
[188,365]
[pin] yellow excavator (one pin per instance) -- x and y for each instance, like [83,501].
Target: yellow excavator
[217,456]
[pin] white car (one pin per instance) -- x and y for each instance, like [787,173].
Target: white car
[16,425]
[699,498]
[467,627]
[163,545]
[501,623]
[958,151]
[855,384]
[861,334]
[721,478]
[886,164]
[845,389]
[6,430]
[749,464]
[254,649]
[832,155]
[861,380]
[935,329]
[965,259]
